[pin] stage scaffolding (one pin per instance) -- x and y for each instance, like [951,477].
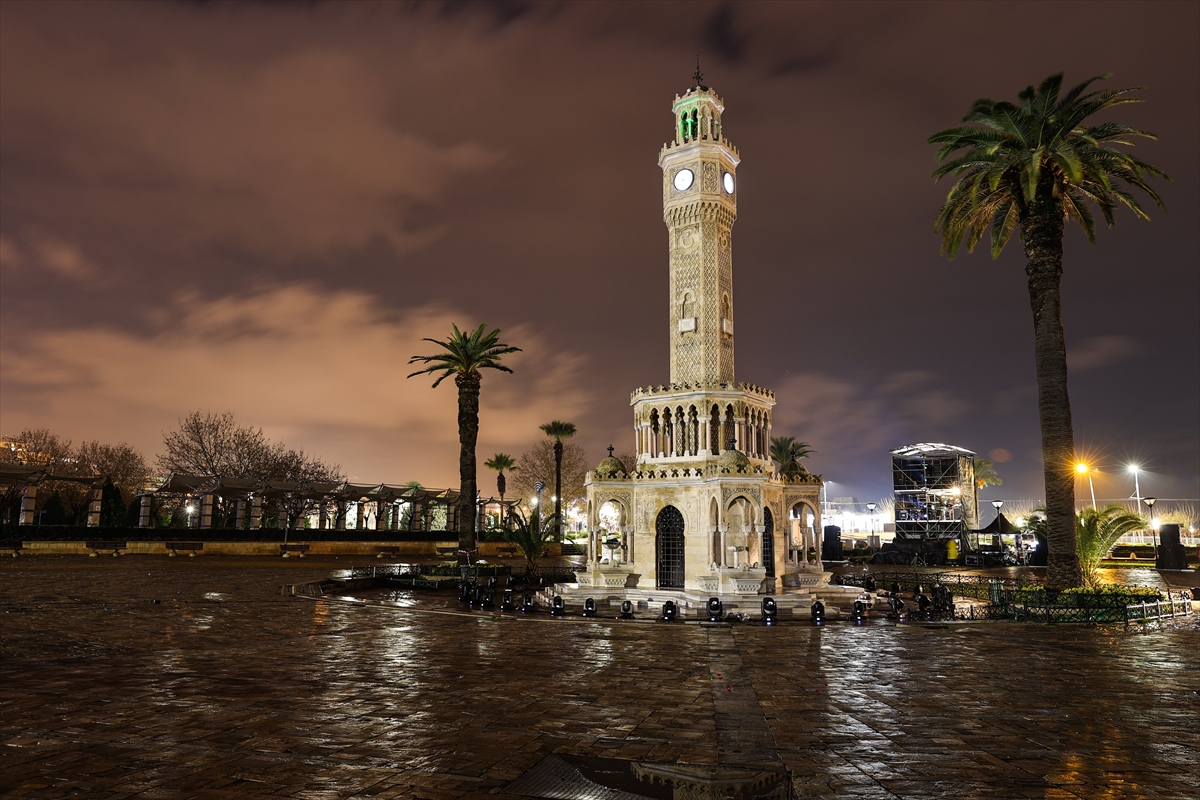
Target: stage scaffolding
[934,486]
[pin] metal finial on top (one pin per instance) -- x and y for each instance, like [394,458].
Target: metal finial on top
[698,76]
[610,449]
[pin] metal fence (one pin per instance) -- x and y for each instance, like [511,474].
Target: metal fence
[973,586]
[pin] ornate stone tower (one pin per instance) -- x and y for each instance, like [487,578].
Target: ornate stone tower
[699,207]
[704,510]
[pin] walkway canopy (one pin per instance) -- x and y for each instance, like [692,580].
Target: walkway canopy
[377,506]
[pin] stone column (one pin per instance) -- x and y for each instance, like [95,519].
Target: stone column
[194,517]
[95,497]
[256,504]
[240,518]
[322,517]
[627,538]
[360,521]
[283,514]
[206,511]
[29,504]
[723,559]
[341,515]
[144,510]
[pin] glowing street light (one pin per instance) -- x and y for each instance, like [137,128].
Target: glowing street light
[871,518]
[1083,469]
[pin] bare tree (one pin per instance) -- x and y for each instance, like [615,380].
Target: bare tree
[629,461]
[214,444]
[537,464]
[122,463]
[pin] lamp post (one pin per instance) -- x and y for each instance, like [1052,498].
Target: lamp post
[1086,470]
[1137,489]
[1150,501]
[871,518]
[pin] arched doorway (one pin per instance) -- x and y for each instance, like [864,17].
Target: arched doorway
[768,542]
[668,544]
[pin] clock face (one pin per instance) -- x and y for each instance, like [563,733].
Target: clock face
[728,181]
[683,179]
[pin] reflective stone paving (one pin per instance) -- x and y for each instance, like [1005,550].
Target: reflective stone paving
[224,688]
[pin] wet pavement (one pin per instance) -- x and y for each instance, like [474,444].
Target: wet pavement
[150,677]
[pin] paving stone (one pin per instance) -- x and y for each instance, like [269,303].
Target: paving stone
[225,688]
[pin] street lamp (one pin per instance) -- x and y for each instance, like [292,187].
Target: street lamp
[1085,470]
[871,517]
[1150,501]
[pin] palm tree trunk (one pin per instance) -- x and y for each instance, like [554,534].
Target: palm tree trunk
[558,451]
[1042,235]
[468,435]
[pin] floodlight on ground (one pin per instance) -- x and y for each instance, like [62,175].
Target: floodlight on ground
[770,610]
[818,612]
[715,609]
[626,609]
[507,603]
[589,607]
[557,607]
[670,611]
[860,608]
[527,606]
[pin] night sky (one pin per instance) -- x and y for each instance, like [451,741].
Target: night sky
[263,208]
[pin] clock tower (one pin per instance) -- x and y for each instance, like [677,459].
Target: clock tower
[703,511]
[699,208]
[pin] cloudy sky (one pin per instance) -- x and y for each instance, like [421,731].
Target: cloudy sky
[263,208]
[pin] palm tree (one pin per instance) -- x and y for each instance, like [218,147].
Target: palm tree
[501,462]
[558,431]
[1097,530]
[530,535]
[464,355]
[1034,165]
[788,452]
[985,474]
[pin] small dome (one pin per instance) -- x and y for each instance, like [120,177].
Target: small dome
[733,460]
[610,464]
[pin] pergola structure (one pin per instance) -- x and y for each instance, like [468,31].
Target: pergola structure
[335,506]
[29,478]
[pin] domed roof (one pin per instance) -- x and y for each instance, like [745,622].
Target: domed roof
[733,460]
[610,464]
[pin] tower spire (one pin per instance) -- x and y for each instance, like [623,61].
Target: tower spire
[698,76]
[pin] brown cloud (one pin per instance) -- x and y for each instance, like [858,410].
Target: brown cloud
[319,370]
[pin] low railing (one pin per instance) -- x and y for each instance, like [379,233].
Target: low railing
[973,586]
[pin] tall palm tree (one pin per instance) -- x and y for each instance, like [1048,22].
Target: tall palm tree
[501,462]
[1098,529]
[558,431]
[463,356]
[788,452]
[1033,165]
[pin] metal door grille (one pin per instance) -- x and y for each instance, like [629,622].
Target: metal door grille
[669,544]
[768,542]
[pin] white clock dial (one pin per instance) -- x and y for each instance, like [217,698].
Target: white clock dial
[728,181]
[683,179]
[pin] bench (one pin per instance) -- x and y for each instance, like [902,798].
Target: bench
[286,550]
[96,545]
[507,551]
[387,549]
[15,547]
[175,547]
[447,551]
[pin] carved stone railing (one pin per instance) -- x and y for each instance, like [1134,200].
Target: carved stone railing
[698,386]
